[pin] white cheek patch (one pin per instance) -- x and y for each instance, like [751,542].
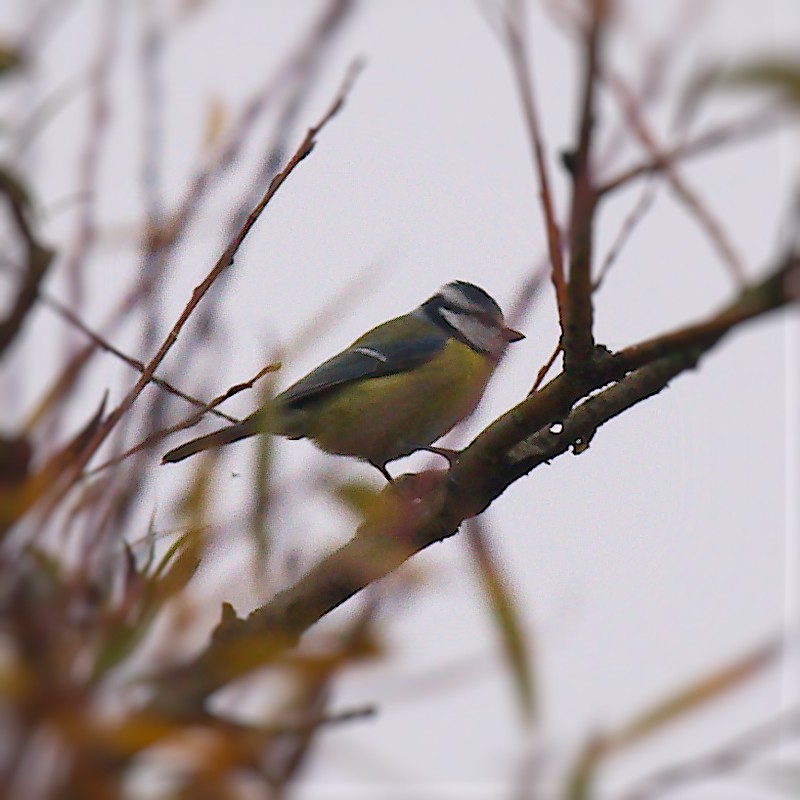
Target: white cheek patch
[478,334]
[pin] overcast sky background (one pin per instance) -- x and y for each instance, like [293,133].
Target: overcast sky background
[653,557]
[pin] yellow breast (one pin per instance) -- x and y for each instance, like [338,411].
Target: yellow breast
[381,419]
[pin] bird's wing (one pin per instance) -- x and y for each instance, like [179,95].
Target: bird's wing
[363,360]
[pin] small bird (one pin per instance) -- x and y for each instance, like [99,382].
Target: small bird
[396,389]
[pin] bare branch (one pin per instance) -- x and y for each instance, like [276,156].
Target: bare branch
[698,209]
[765,120]
[77,322]
[159,435]
[99,77]
[546,367]
[418,510]
[636,215]
[518,51]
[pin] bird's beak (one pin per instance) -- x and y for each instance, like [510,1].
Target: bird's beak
[510,335]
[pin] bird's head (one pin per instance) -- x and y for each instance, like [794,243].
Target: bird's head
[471,315]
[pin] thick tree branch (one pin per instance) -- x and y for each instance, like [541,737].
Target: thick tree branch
[419,510]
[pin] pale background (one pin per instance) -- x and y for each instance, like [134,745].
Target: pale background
[652,558]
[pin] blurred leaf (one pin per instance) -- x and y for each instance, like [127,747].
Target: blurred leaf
[147,590]
[14,681]
[60,391]
[216,118]
[688,700]
[15,503]
[145,596]
[12,186]
[695,696]
[765,74]
[507,621]
[48,566]
[9,59]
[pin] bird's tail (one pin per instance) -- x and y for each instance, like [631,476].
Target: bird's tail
[232,433]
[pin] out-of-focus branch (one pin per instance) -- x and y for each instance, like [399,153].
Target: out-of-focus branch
[668,710]
[161,242]
[99,77]
[765,120]
[719,761]
[223,263]
[636,215]
[779,288]
[697,208]
[77,322]
[299,59]
[419,510]
[205,408]
[37,261]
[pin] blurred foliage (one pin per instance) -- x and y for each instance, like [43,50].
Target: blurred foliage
[767,74]
[95,605]
[10,59]
[517,647]
[674,707]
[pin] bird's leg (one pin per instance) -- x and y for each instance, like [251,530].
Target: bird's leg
[452,456]
[383,471]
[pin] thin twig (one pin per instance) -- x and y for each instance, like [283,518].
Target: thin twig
[765,120]
[699,210]
[636,215]
[223,263]
[159,435]
[657,65]
[150,51]
[546,367]
[78,323]
[515,26]
[99,78]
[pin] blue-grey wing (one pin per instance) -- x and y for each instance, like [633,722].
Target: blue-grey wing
[363,361]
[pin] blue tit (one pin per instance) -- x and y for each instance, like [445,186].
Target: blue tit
[396,389]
